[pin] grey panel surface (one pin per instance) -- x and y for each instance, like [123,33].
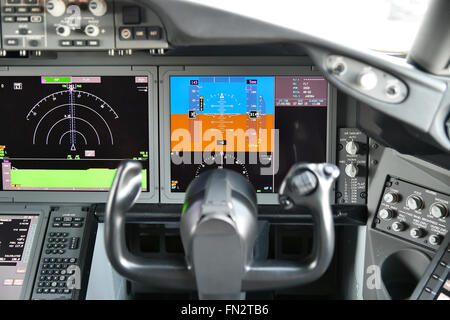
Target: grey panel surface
[104,282]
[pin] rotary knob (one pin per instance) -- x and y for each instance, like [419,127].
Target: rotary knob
[56,7]
[435,239]
[63,31]
[398,226]
[98,7]
[367,80]
[414,202]
[391,197]
[352,147]
[439,210]
[386,214]
[351,170]
[417,233]
[92,30]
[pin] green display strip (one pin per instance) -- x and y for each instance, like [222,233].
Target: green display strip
[57,79]
[80,179]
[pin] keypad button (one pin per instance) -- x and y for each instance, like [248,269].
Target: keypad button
[36,10]
[9,9]
[22,19]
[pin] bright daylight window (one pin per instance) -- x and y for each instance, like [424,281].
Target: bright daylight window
[382,25]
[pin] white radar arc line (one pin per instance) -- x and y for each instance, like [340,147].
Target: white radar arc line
[81,119]
[64,91]
[76,131]
[75,104]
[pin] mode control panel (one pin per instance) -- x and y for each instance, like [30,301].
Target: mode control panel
[71,25]
[352,161]
[23,24]
[414,213]
[66,255]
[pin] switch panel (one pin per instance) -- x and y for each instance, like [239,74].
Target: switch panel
[71,25]
[352,161]
[413,213]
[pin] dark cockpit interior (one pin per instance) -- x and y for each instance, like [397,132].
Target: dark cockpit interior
[167,149]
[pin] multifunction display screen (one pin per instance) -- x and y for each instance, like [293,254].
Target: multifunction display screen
[256,125]
[17,233]
[69,133]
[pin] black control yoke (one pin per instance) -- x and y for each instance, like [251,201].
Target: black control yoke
[218,228]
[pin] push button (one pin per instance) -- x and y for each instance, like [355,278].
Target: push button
[22,19]
[91,43]
[64,43]
[36,10]
[9,19]
[31,1]
[79,43]
[139,33]
[22,10]
[154,33]
[13,1]
[9,9]
[12,42]
[36,19]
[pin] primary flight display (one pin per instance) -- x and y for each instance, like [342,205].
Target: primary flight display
[256,125]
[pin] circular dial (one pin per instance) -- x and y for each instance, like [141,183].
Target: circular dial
[56,7]
[439,210]
[386,214]
[391,197]
[98,7]
[222,161]
[352,147]
[414,202]
[72,118]
[435,239]
[417,233]
[398,226]
[351,170]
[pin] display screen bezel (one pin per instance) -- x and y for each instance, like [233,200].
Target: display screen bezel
[150,196]
[166,72]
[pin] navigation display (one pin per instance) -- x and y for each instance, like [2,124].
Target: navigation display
[256,125]
[16,239]
[69,133]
